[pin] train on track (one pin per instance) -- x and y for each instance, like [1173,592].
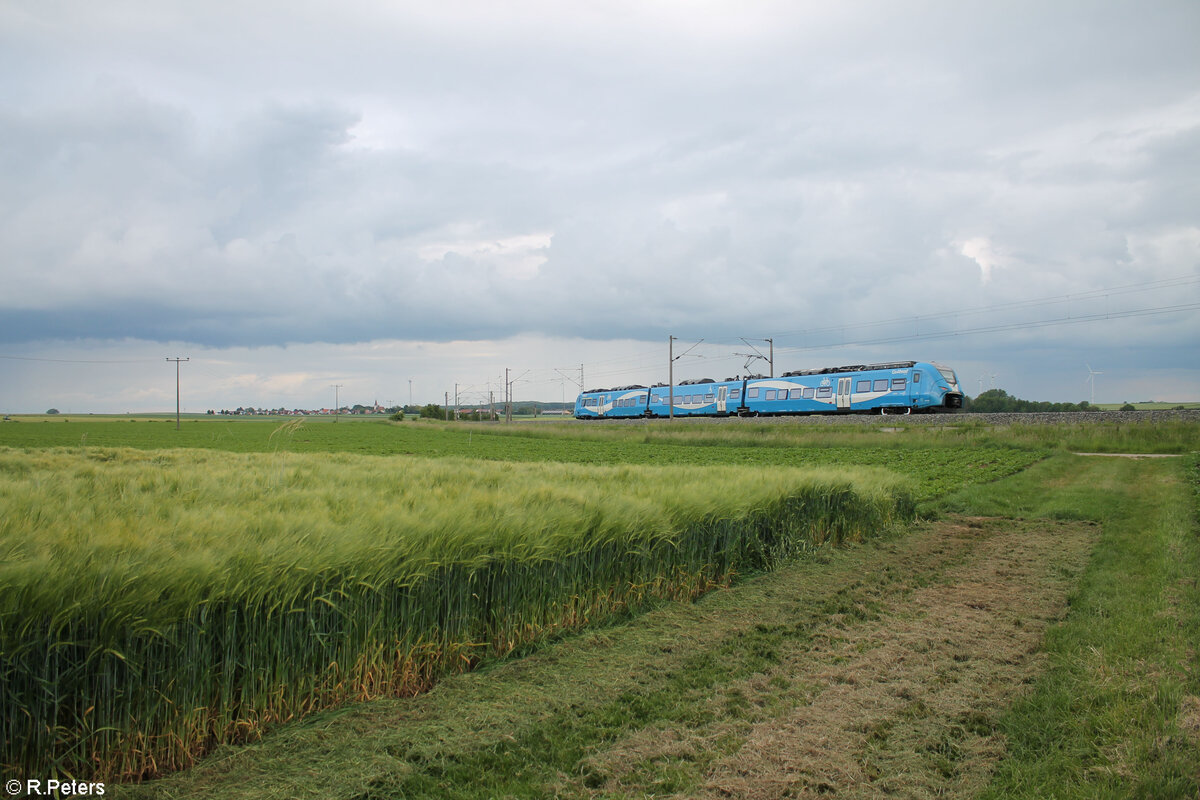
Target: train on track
[901,387]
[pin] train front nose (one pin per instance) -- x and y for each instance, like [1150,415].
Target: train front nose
[953,397]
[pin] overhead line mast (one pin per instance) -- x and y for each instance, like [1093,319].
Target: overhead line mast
[336,403]
[177,360]
[671,359]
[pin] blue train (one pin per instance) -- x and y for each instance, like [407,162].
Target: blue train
[901,387]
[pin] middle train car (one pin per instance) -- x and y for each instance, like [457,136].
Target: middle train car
[898,387]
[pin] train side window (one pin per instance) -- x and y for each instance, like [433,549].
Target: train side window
[708,398]
[863,386]
[825,391]
[899,384]
[917,376]
[881,384]
[734,394]
[795,394]
[809,393]
[769,394]
[752,394]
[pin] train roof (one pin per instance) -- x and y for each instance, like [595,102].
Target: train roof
[792,374]
[850,368]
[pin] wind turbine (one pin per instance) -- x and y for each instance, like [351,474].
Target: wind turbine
[1091,378]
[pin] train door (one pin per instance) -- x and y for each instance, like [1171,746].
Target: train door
[843,394]
[722,396]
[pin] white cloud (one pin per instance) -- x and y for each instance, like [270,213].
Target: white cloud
[512,257]
[981,250]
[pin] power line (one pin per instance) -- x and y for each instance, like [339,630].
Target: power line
[933,335]
[1137,312]
[82,360]
[1092,294]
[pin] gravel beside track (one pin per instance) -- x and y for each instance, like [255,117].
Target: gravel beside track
[945,419]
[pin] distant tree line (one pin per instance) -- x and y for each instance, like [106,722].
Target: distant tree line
[998,401]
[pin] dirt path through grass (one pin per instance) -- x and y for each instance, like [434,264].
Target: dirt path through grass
[904,704]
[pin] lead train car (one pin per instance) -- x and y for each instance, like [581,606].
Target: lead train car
[901,387]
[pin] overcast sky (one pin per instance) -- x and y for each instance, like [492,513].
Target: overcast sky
[397,197]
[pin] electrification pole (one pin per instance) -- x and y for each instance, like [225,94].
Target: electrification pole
[671,377]
[177,360]
[751,356]
[671,370]
[336,404]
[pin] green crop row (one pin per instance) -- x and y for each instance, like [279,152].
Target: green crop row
[935,460]
[156,603]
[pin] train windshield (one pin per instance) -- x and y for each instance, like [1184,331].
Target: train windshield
[948,374]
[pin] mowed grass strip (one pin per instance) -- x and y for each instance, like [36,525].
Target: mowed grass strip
[156,603]
[1117,713]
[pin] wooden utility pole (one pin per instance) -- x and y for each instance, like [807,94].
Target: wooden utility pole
[177,360]
[336,404]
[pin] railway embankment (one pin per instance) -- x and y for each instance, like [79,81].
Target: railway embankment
[959,418]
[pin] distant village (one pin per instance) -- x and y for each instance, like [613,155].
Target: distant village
[251,411]
[431,410]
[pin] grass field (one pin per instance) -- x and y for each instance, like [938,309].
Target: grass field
[1147,406]
[1033,636]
